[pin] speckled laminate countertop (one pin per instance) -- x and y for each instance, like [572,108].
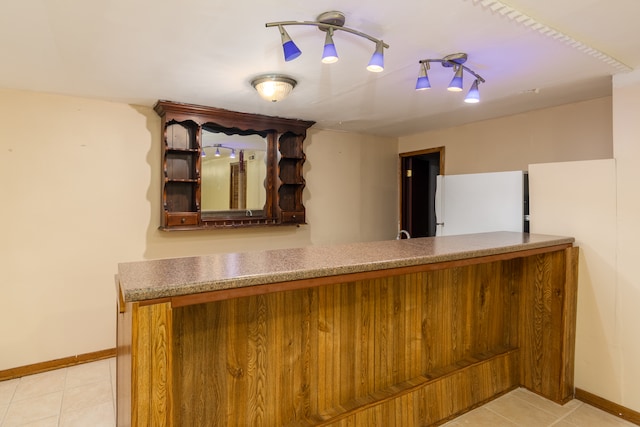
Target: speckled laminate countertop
[153,279]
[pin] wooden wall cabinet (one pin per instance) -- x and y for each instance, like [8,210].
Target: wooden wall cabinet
[182,148]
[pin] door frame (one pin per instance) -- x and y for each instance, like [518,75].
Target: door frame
[401,157]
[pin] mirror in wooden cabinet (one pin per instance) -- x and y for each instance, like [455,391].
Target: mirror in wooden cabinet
[234,172]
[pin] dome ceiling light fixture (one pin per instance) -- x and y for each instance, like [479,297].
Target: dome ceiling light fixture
[273,87]
[329,22]
[455,61]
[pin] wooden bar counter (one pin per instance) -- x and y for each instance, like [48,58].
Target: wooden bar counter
[394,333]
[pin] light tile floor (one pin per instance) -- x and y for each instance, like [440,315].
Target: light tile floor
[84,396]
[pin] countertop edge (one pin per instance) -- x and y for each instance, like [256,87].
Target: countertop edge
[145,293]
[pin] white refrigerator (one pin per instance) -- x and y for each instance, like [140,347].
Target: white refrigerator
[482,202]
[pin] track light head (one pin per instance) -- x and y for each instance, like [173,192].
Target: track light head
[376,64]
[329,53]
[456,82]
[423,78]
[289,48]
[473,97]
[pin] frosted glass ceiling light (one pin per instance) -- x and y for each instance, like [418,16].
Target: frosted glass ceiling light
[329,53]
[423,78]
[330,22]
[274,87]
[455,61]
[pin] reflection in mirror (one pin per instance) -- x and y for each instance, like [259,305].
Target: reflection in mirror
[233,173]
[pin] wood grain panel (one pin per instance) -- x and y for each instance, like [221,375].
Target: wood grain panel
[123,365]
[409,349]
[548,309]
[325,351]
[151,364]
[566,358]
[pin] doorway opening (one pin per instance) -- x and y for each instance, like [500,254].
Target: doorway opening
[418,172]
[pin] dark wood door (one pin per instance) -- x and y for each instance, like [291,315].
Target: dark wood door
[419,171]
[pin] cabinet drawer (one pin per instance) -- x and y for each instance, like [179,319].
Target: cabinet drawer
[181,218]
[295,217]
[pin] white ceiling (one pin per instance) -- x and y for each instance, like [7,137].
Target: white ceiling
[207,52]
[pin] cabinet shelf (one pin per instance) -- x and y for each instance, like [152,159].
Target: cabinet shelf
[183,150]
[185,181]
[290,146]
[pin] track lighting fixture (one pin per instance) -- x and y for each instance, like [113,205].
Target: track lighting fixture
[456,62]
[330,22]
[217,152]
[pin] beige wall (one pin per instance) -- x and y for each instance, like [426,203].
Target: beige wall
[352,187]
[563,202]
[626,140]
[580,131]
[81,193]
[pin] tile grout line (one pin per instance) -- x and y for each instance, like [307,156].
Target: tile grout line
[112,374]
[567,414]
[64,392]
[559,418]
[4,415]
[501,415]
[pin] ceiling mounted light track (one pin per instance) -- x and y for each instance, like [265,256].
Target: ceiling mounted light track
[456,62]
[330,22]
[232,154]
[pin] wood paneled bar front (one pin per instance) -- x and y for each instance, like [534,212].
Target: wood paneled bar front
[394,333]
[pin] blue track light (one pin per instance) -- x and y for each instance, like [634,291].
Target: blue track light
[329,53]
[456,82]
[329,22]
[473,97]
[455,61]
[376,64]
[423,78]
[290,49]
